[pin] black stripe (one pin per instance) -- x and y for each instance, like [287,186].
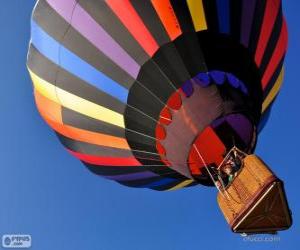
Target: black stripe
[81,121]
[140,143]
[187,44]
[165,171]
[139,122]
[97,150]
[41,66]
[170,62]
[60,30]
[91,149]
[183,15]
[153,79]
[211,15]
[103,15]
[50,20]
[235,19]
[191,53]
[112,170]
[52,73]
[274,78]
[257,25]
[142,99]
[151,20]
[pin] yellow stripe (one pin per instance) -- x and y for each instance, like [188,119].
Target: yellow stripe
[181,185]
[274,91]
[76,103]
[44,88]
[198,15]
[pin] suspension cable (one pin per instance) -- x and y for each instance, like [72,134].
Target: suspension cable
[207,169]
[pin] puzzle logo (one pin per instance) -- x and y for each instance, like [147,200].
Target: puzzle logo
[16,241]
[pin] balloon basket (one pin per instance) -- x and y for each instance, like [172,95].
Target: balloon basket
[255,201]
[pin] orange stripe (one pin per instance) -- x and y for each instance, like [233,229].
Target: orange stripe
[48,108]
[88,136]
[51,113]
[132,21]
[168,17]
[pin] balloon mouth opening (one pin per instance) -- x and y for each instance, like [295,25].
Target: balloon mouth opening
[212,144]
[198,145]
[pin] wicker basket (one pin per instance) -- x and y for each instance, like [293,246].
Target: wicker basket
[255,201]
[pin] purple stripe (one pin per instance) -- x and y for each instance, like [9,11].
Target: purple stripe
[218,122]
[130,177]
[91,30]
[242,126]
[247,20]
[239,123]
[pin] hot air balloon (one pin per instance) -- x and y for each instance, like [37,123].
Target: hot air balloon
[154,93]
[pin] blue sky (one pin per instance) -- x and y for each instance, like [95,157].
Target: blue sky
[48,194]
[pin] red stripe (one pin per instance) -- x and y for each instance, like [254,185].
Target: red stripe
[132,21]
[106,161]
[271,12]
[278,54]
[168,17]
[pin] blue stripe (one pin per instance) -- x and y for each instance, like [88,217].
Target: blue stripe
[67,60]
[224,16]
[161,182]
[133,176]
[264,119]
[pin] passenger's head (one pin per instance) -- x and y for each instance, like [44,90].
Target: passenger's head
[227,169]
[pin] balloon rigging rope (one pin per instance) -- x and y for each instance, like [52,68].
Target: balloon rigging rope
[205,165]
[207,169]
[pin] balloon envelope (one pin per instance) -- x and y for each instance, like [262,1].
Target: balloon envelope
[147,93]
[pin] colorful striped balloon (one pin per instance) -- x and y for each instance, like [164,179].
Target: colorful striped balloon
[146,93]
